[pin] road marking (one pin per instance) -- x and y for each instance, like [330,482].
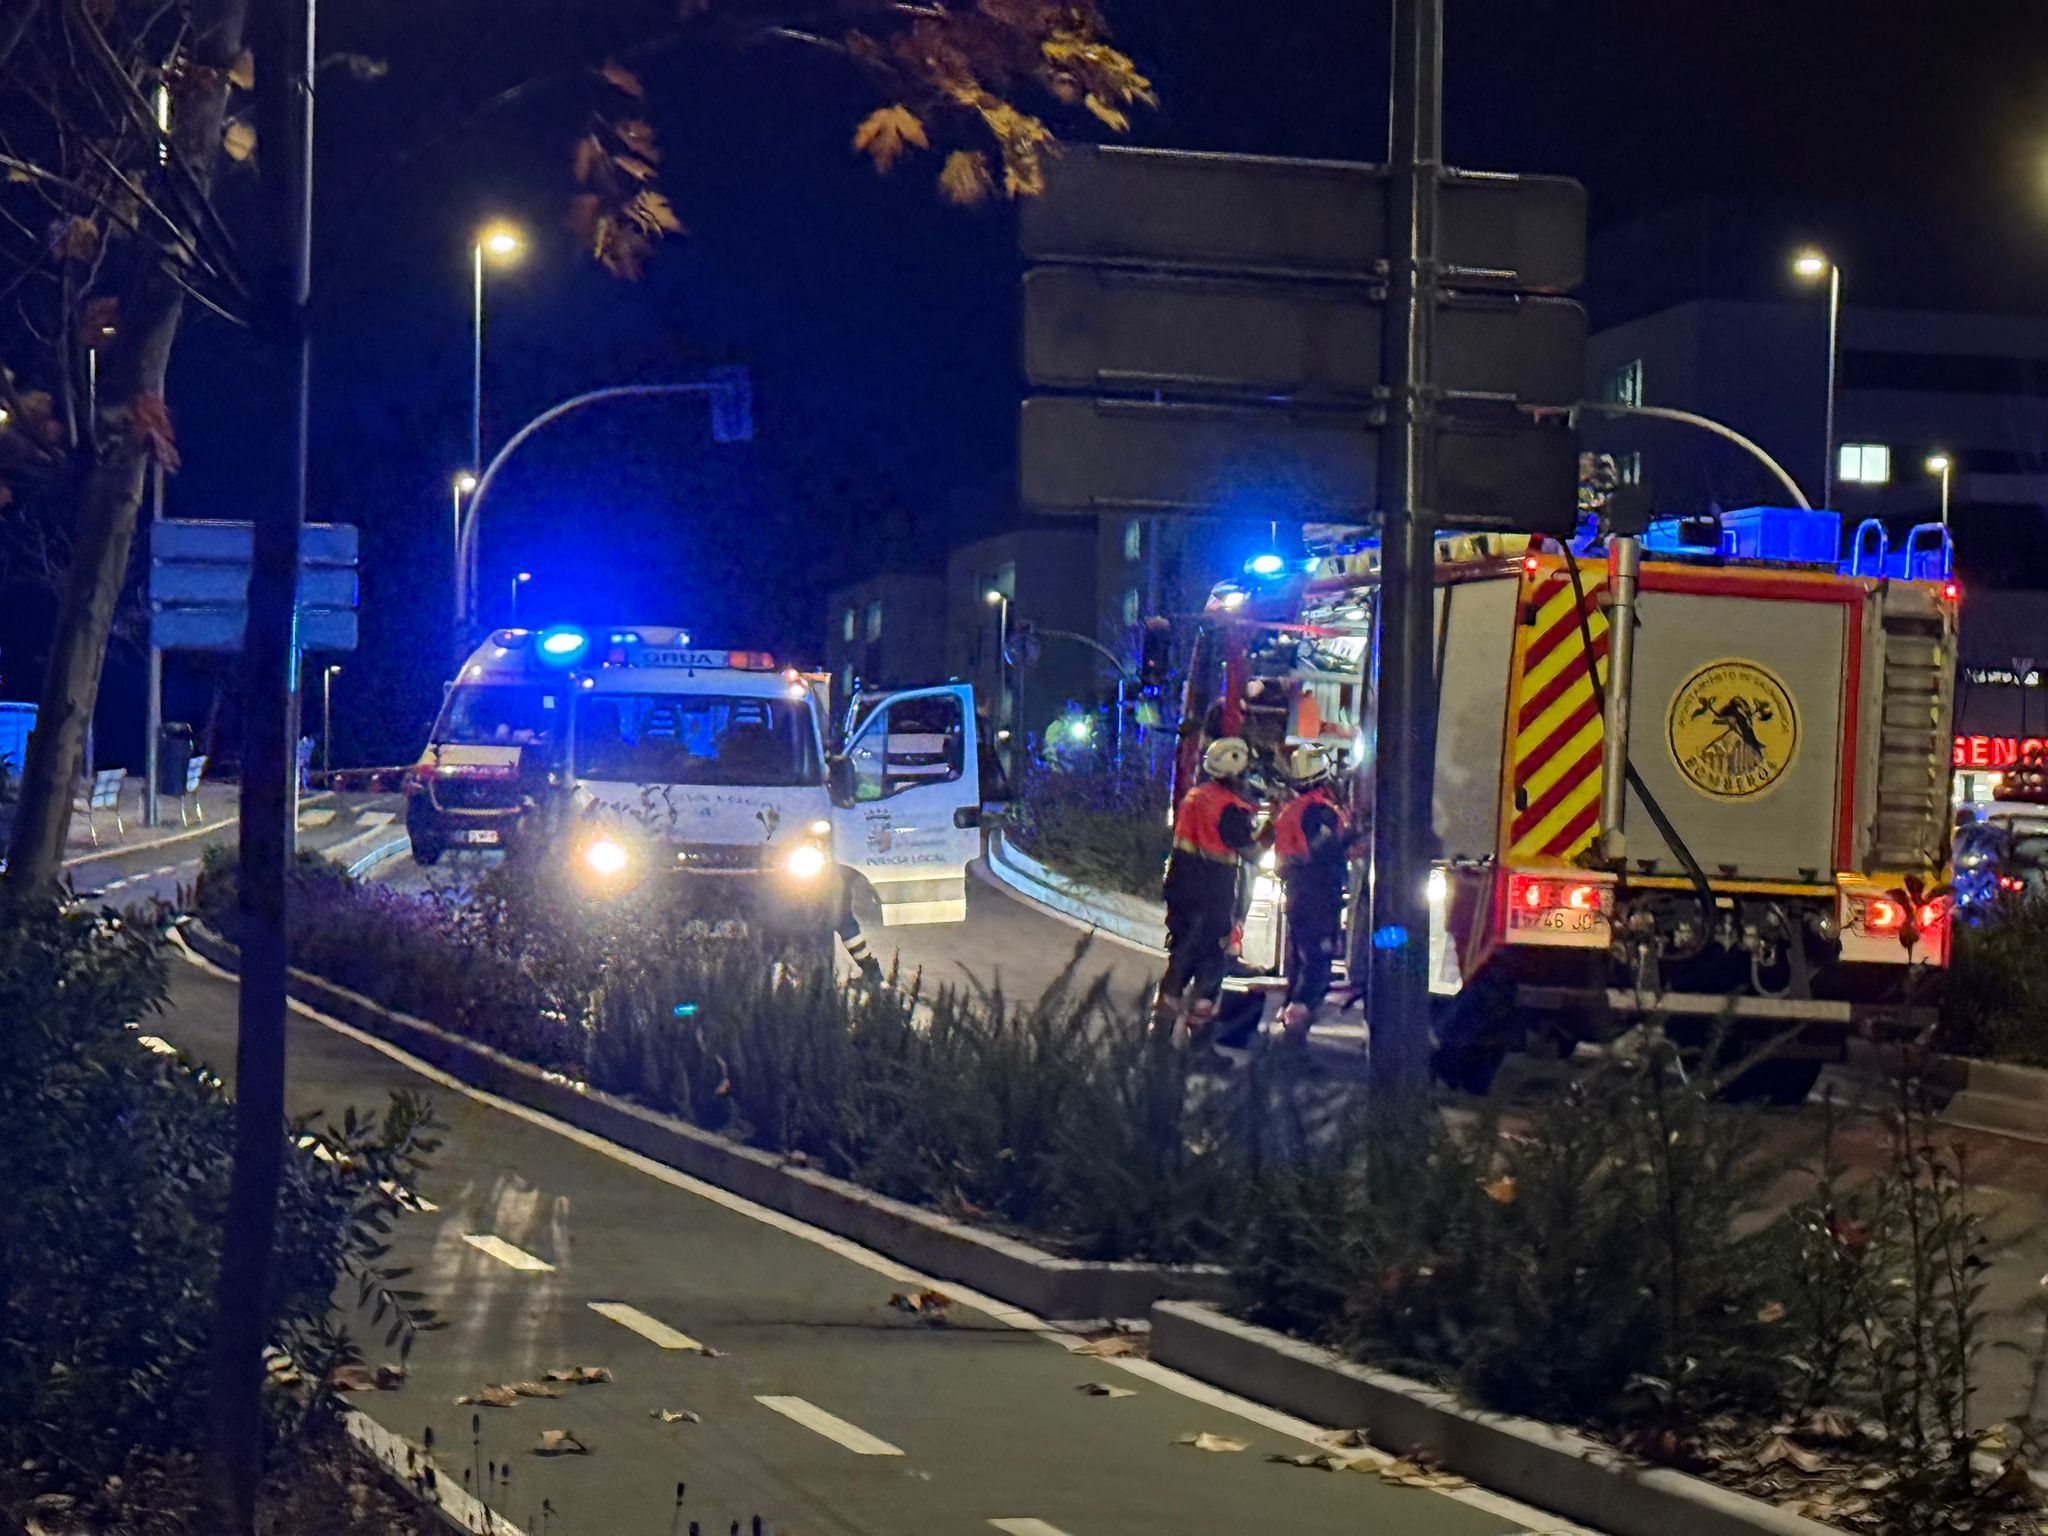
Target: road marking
[370,819]
[156,1043]
[406,1462]
[161,870]
[833,1428]
[315,818]
[1027,1527]
[1312,1435]
[505,1253]
[114,885]
[650,1328]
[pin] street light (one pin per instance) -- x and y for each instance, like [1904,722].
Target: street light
[1940,464]
[465,483]
[999,600]
[499,243]
[1813,265]
[517,582]
[327,718]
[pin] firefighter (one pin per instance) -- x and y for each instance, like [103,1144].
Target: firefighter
[1212,837]
[1312,846]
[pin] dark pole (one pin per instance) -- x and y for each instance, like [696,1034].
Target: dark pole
[1396,935]
[281,38]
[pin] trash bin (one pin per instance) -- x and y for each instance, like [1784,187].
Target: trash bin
[173,756]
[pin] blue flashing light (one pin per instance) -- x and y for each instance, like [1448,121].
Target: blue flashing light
[1393,936]
[1268,564]
[563,645]
[685,1010]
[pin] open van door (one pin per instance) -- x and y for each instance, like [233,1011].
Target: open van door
[907,803]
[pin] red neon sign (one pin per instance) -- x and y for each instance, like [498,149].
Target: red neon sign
[1997,752]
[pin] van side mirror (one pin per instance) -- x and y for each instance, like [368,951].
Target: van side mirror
[839,777]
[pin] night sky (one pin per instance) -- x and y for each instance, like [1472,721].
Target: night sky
[880,324]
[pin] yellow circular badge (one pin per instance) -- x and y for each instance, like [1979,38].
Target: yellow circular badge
[1733,730]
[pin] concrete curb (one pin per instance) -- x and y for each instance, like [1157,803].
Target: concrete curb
[998,1266]
[1995,1097]
[1540,1464]
[1135,921]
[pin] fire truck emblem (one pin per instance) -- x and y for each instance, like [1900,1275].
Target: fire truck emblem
[1733,730]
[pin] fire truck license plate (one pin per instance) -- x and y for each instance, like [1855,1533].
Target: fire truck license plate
[1559,920]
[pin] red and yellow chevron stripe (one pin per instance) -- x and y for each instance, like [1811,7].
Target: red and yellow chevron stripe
[1556,737]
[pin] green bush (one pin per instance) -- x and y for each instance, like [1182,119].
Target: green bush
[1995,996]
[116,1164]
[1105,828]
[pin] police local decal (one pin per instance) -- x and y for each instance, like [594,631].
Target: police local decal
[1733,730]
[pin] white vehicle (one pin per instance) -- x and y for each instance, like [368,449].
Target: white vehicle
[700,764]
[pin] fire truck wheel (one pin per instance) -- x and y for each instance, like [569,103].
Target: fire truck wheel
[1474,1033]
[1781,1082]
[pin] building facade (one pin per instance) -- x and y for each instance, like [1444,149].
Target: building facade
[886,632]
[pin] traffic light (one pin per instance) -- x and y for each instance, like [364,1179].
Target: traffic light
[1155,656]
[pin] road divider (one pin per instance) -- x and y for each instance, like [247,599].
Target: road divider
[1130,918]
[1015,1272]
[831,1426]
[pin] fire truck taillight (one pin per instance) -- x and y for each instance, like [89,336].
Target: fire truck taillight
[1882,916]
[1583,898]
[1537,895]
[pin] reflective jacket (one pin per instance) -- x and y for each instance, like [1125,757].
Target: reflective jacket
[1211,835]
[1309,845]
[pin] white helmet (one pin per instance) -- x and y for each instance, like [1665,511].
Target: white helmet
[1227,758]
[1307,766]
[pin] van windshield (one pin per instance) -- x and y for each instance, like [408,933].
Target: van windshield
[696,738]
[499,714]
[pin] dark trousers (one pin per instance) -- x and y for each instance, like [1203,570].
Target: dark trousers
[1315,936]
[1197,950]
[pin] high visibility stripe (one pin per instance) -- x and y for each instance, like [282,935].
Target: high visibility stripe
[1558,730]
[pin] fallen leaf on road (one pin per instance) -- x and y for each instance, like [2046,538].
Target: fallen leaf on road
[489,1397]
[579,1375]
[675,1416]
[390,1377]
[1346,1439]
[535,1389]
[1771,1312]
[1418,1470]
[560,1442]
[1104,1389]
[929,1305]
[1327,1461]
[1204,1441]
[1830,1426]
[352,1378]
[1114,1346]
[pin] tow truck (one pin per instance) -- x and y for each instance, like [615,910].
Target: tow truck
[1774,862]
[663,760]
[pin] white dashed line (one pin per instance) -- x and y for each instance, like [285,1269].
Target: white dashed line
[156,1043]
[505,1253]
[1027,1527]
[113,885]
[649,1328]
[161,870]
[833,1428]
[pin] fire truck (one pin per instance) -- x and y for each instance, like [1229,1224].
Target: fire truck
[633,754]
[1740,826]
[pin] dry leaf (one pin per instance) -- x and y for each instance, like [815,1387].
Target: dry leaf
[560,1442]
[1205,1441]
[75,239]
[579,1375]
[238,138]
[621,78]
[1502,1190]
[884,132]
[1107,113]
[1830,1426]
[1781,1448]
[488,1397]
[964,180]
[1417,1472]
[1104,1389]
[1346,1439]
[1324,1461]
[535,1389]
[390,1377]
[929,1305]
[352,1378]
[243,71]
[675,1416]
[1114,1346]
[1771,1312]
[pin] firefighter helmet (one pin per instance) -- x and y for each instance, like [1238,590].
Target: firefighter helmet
[1227,758]
[1307,767]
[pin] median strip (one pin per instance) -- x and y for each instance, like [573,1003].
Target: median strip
[832,1427]
[505,1253]
[653,1329]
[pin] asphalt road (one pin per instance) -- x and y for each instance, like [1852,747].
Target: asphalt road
[824,1410]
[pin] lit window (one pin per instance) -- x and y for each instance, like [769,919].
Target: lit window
[1134,539]
[1864,464]
[846,625]
[1628,468]
[1130,605]
[874,624]
[1625,384]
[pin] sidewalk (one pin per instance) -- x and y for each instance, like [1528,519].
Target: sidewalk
[214,806]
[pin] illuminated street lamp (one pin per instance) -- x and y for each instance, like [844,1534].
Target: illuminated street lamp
[464,484]
[500,244]
[999,600]
[1813,266]
[1940,464]
[327,718]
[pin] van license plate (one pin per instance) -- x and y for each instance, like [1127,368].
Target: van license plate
[487,836]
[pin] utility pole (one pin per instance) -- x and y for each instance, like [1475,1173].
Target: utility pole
[281,38]
[1396,958]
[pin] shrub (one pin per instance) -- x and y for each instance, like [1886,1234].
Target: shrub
[1995,997]
[116,1164]
[1106,828]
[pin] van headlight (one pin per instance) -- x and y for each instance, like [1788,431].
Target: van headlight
[605,857]
[806,861]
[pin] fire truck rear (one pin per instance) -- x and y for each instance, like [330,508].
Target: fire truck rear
[1741,828]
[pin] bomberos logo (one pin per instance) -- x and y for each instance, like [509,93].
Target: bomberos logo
[1733,729]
